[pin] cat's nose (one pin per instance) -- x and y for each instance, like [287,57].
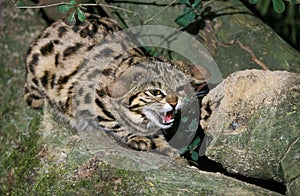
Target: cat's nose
[173,104]
[172,100]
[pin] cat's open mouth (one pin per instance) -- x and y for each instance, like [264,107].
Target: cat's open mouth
[168,117]
[163,120]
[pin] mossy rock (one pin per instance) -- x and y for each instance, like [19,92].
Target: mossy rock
[236,39]
[252,118]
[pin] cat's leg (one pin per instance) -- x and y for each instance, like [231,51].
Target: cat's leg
[136,142]
[33,98]
[163,147]
[149,143]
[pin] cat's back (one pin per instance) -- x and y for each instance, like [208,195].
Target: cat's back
[53,59]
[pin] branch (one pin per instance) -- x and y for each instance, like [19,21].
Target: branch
[42,6]
[169,5]
[80,5]
[152,18]
[109,6]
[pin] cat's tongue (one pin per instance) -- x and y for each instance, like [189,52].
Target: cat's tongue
[168,117]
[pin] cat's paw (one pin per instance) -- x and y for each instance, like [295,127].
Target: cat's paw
[163,147]
[180,161]
[169,151]
[140,143]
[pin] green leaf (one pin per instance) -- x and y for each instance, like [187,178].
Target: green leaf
[81,15]
[71,19]
[196,3]
[72,2]
[191,16]
[252,1]
[293,2]
[64,8]
[195,143]
[185,19]
[195,156]
[279,6]
[20,3]
[182,20]
[187,10]
[185,2]
[184,119]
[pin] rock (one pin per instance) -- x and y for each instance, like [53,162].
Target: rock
[235,37]
[252,118]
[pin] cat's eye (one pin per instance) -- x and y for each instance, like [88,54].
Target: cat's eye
[155,92]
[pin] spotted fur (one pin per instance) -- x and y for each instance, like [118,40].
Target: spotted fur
[124,93]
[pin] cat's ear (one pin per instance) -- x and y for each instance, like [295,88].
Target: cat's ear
[127,81]
[198,72]
[118,88]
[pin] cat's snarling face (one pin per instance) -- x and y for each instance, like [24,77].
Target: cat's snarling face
[149,95]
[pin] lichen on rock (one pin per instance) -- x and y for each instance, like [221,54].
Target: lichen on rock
[253,119]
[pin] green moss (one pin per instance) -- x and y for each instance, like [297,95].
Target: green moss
[18,136]
[18,124]
[18,128]
[273,133]
[290,163]
[19,163]
[98,179]
[56,182]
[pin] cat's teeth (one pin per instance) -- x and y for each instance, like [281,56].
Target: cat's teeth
[168,117]
[170,121]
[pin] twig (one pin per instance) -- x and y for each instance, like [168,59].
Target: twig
[43,6]
[109,6]
[169,5]
[80,5]
[253,57]
[249,51]
[152,18]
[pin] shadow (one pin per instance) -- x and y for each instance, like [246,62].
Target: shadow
[205,164]
[209,14]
